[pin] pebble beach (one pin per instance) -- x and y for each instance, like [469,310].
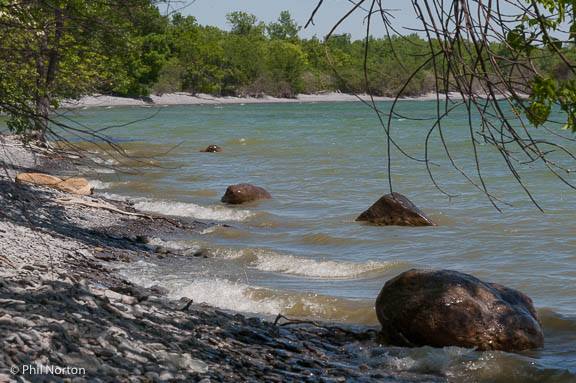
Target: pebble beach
[64,306]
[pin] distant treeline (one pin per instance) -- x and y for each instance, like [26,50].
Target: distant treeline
[128,48]
[254,58]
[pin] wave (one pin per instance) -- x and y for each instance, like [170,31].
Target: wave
[101,170]
[227,295]
[104,161]
[557,322]
[176,245]
[321,239]
[267,260]
[210,230]
[97,184]
[184,209]
[242,297]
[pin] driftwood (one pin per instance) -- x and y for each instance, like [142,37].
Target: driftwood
[110,207]
[98,205]
[333,330]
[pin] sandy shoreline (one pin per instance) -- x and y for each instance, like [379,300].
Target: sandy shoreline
[62,302]
[182,98]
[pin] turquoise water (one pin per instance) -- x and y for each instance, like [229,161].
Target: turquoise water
[303,255]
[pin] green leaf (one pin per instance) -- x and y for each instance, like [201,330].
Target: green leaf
[538,113]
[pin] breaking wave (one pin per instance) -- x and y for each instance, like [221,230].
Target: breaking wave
[183,209]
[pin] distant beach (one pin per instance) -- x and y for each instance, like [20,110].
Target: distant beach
[182,98]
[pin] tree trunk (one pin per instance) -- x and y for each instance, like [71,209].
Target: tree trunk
[46,68]
[41,111]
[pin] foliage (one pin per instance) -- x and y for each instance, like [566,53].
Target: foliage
[284,29]
[244,24]
[53,50]
[127,48]
[548,88]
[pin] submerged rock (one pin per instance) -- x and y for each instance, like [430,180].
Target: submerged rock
[212,149]
[74,185]
[241,193]
[395,209]
[447,308]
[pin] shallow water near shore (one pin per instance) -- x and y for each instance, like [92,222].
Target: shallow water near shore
[302,254]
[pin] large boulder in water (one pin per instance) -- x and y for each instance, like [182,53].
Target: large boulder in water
[241,193]
[447,308]
[395,209]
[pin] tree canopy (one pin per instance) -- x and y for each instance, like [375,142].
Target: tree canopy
[53,50]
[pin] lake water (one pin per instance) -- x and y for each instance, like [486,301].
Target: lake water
[303,255]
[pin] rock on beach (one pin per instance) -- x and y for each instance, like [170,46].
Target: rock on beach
[74,185]
[39,179]
[447,308]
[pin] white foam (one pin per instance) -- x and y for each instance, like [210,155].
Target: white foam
[175,245]
[103,170]
[266,260]
[209,230]
[216,292]
[183,209]
[97,184]
[319,269]
[105,161]
[448,361]
[240,296]
[227,295]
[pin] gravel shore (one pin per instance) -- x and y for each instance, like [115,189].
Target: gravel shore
[182,98]
[64,309]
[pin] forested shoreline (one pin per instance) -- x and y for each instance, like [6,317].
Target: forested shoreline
[130,49]
[255,59]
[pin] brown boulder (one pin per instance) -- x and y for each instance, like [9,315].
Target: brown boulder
[75,185]
[39,179]
[212,149]
[447,308]
[241,193]
[395,209]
